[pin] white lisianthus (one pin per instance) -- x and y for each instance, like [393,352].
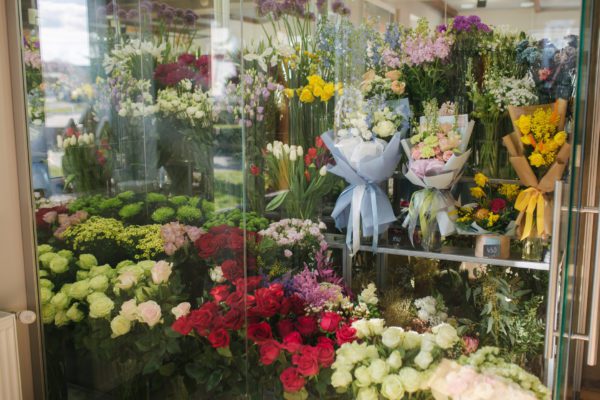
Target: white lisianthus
[181,310]
[392,337]
[149,312]
[216,274]
[363,376]
[367,393]
[341,378]
[392,388]
[411,379]
[445,335]
[161,271]
[378,370]
[395,360]
[119,326]
[423,359]
[129,310]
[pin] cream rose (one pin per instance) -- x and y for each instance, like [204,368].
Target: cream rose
[60,318]
[126,280]
[376,326]
[120,326]
[101,306]
[367,393]
[392,388]
[392,337]
[181,310]
[74,313]
[445,335]
[341,378]
[363,376]
[129,310]
[412,340]
[423,359]
[362,328]
[378,370]
[60,301]
[411,379]
[149,312]
[99,283]
[384,129]
[161,271]
[395,360]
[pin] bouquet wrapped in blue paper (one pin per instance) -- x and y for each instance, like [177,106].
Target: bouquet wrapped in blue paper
[365,160]
[437,153]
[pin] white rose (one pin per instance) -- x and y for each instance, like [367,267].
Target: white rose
[395,360]
[126,280]
[412,340]
[119,326]
[411,379]
[392,388]
[181,309]
[161,271]
[376,326]
[341,378]
[367,393]
[362,328]
[129,310]
[378,370]
[384,129]
[392,337]
[216,274]
[149,313]
[445,335]
[363,376]
[423,359]
[371,352]
[427,342]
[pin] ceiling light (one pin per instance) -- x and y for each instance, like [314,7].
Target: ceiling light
[527,4]
[467,6]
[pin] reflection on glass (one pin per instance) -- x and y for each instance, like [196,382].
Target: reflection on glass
[188,158]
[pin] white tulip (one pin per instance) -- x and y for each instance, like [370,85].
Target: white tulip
[300,151]
[293,156]
[323,171]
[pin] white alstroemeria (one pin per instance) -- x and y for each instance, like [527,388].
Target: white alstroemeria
[267,56]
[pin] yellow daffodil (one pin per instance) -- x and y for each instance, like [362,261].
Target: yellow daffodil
[289,93]
[477,192]
[536,159]
[317,91]
[306,96]
[480,179]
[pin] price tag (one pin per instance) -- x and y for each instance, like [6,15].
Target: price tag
[492,247]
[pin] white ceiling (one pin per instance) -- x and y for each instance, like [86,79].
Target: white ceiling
[508,4]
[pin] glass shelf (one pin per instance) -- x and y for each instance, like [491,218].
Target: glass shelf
[337,241]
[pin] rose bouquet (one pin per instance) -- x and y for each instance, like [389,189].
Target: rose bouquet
[539,151]
[302,176]
[389,362]
[483,375]
[437,154]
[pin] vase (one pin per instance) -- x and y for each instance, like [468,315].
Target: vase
[533,249]
[492,246]
[430,238]
[488,149]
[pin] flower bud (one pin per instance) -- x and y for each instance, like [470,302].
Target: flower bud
[323,171]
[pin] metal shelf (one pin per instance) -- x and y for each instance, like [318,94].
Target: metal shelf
[447,253]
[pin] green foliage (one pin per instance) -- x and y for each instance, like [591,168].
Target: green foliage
[163,215]
[250,221]
[189,214]
[130,211]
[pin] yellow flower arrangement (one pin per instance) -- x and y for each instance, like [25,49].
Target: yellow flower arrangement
[509,190]
[480,179]
[477,192]
[317,88]
[539,132]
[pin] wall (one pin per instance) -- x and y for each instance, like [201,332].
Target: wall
[12,281]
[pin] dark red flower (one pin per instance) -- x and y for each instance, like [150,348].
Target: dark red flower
[182,325]
[292,342]
[292,381]
[269,351]
[345,334]
[206,245]
[306,325]
[497,205]
[232,270]
[259,332]
[285,327]
[186,59]
[306,361]
[202,319]
[219,338]
[254,170]
[268,301]
[238,300]
[220,293]
[325,353]
[234,319]
[250,284]
[319,142]
[330,321]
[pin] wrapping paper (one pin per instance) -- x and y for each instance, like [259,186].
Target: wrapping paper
[535,203]
[363,205]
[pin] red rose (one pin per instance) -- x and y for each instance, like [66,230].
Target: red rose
[497,205]
[325,354]
[250,284]
[236,242]
[330,321]
[292,381]
[238,300]
[260,332]
[202,319]
[324,340]
[292,342]
[220,293]
[254,170]
[232,270]
[285,327]
[269,351]
[307,361]
[182,325]
[186,58]
[306,325]
[234,319]
[298,305]
[206,246]
[345,334]
[268,300]
[219,338]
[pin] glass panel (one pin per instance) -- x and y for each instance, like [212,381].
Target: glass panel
[192,161]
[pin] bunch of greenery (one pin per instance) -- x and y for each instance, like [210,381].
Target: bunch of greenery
[249,221]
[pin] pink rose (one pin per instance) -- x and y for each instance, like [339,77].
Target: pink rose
[50,217]
[149,312]
[181,310]
[161,272]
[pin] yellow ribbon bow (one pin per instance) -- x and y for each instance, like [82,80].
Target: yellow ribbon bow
[531,201]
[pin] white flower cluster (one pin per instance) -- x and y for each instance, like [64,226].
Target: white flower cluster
[83,140]
[293,231]
[283,151]
[369,295]
[509,91]
[143,106]
[186,103]
[384,364]
[385,122]
[431,310]
[122,57]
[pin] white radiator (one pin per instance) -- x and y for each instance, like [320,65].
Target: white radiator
[10,378]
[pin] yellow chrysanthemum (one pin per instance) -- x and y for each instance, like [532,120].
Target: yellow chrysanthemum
[289,93]
[508,190]
[477,192]
[560,138]
[536,159]
[480,179]
[492,219]
[524,124]
[306,96]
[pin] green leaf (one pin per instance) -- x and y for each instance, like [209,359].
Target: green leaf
[277,201]
[214,379]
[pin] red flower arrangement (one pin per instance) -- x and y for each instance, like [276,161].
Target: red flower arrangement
[188,66]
